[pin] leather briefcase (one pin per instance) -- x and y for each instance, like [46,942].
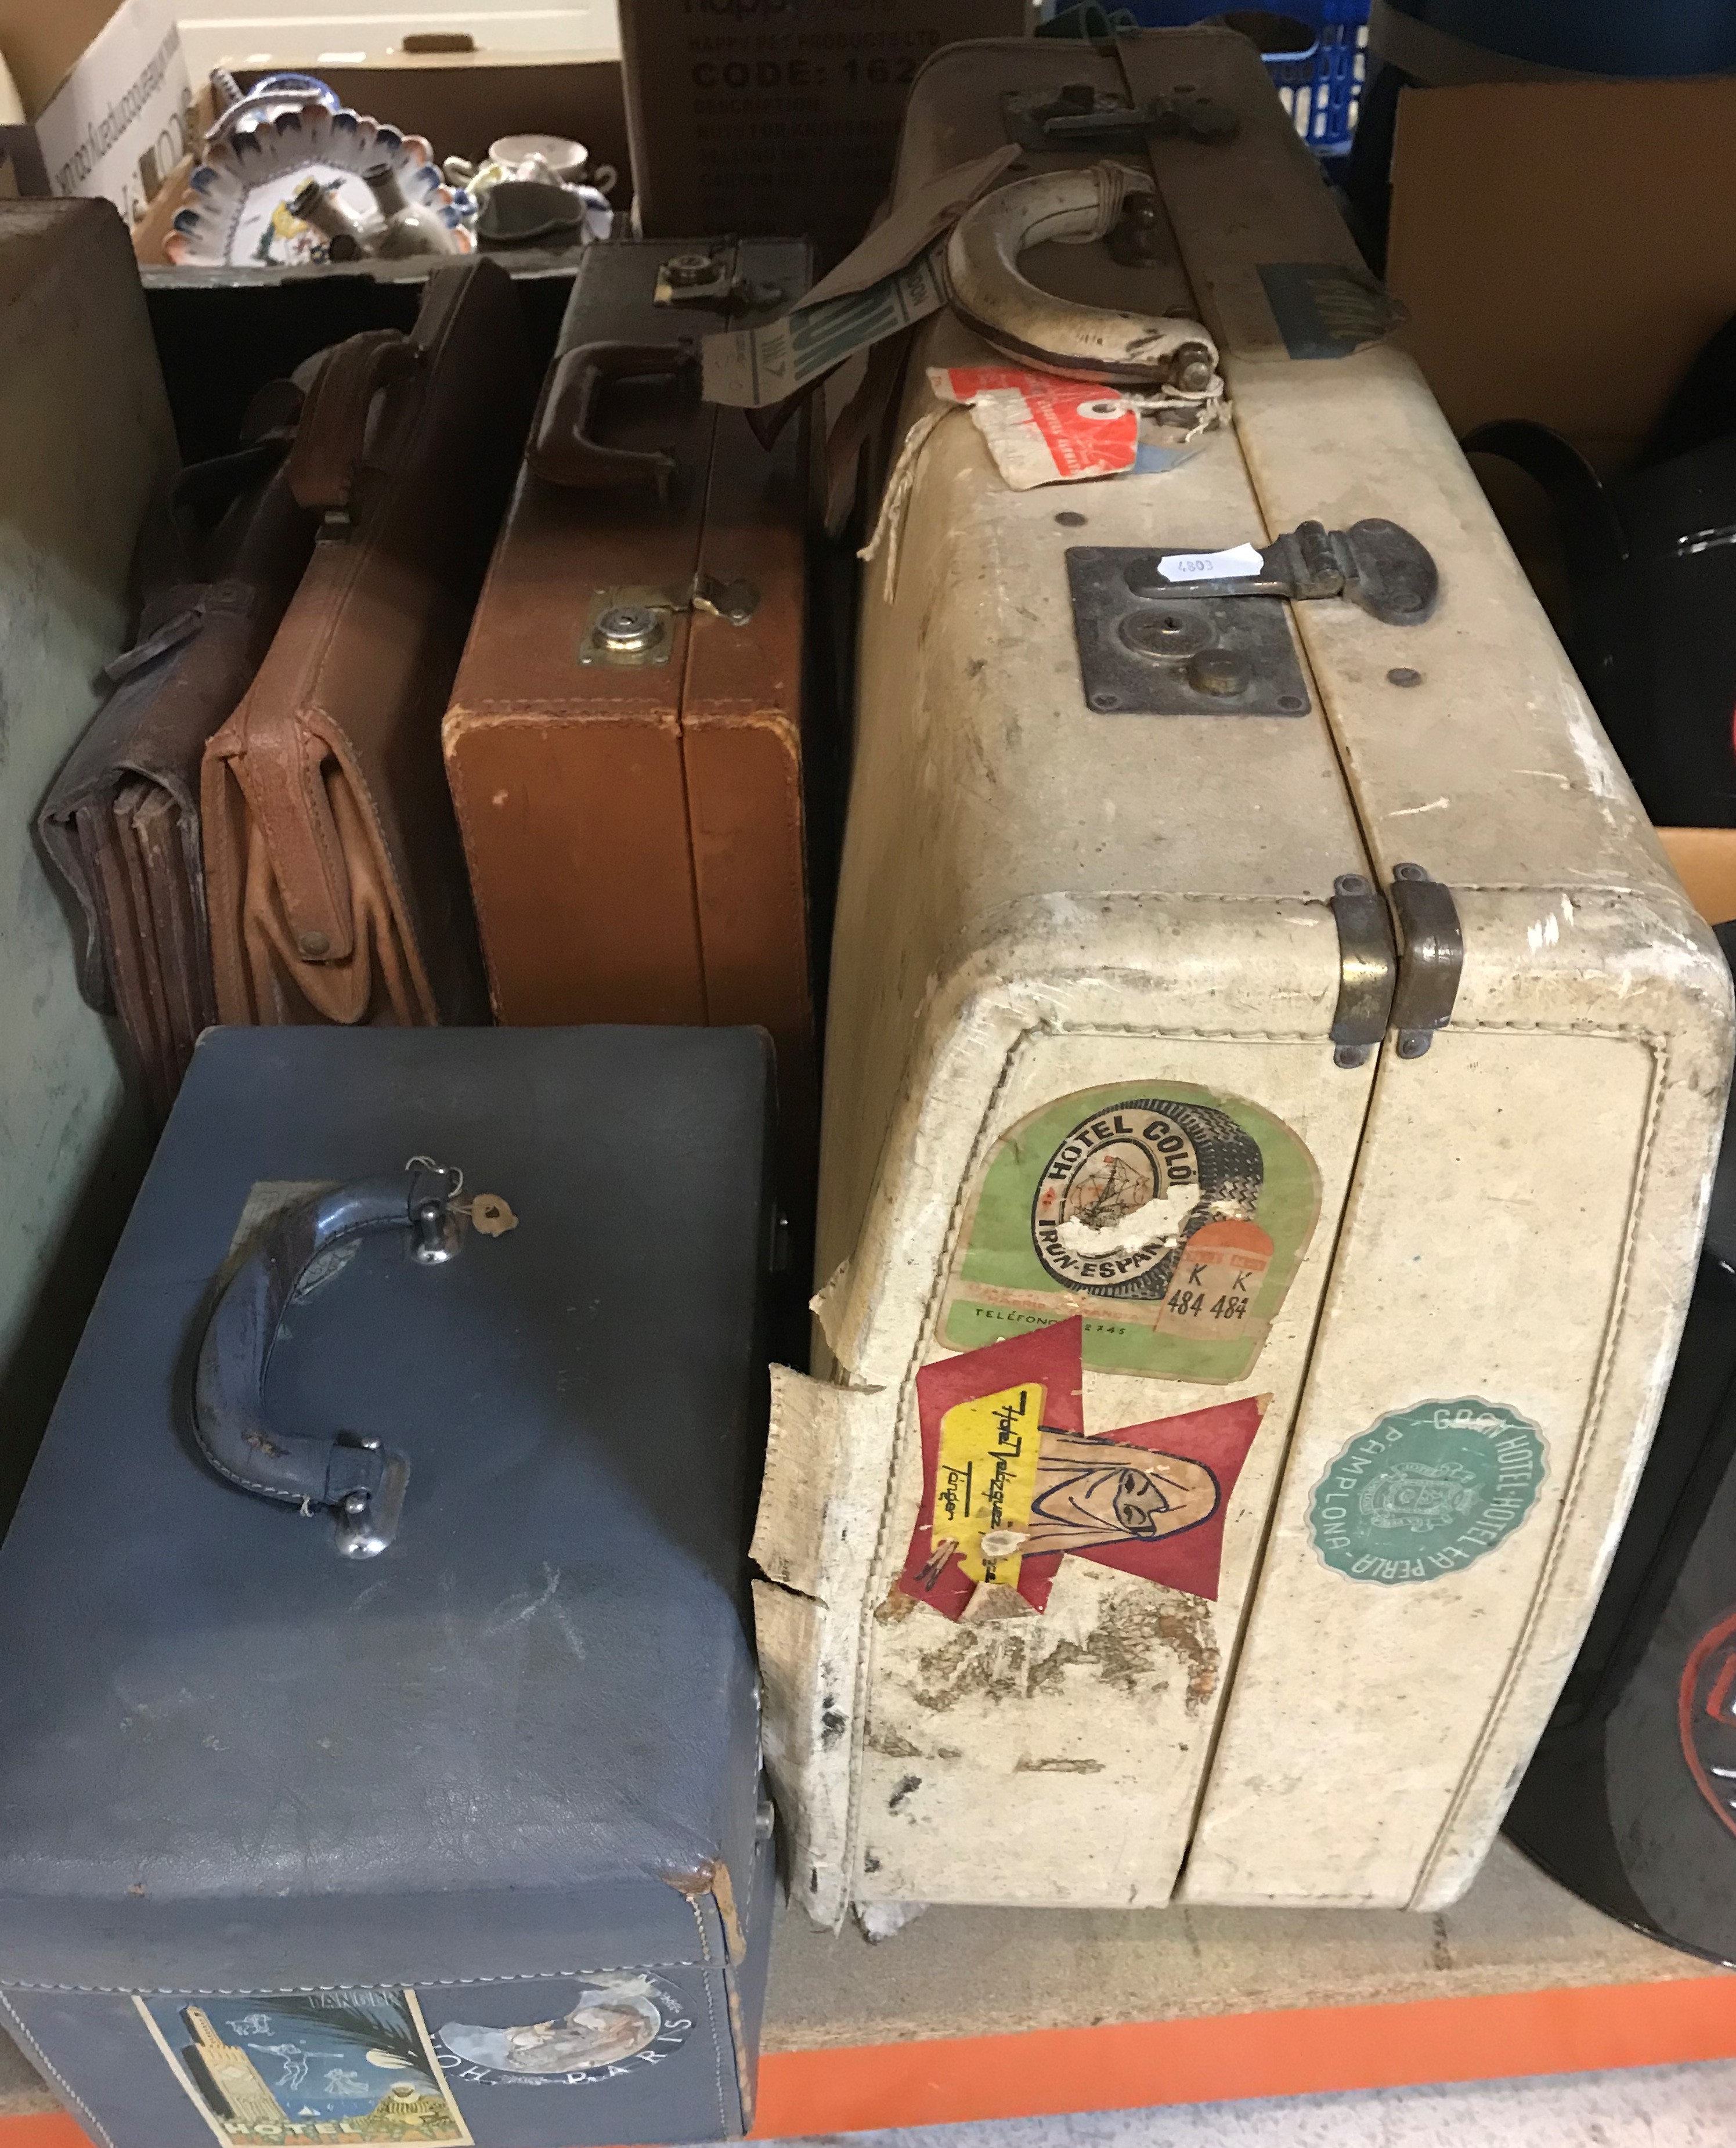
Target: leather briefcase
[625,738]
[333,875]
[219,561]
[401,1784]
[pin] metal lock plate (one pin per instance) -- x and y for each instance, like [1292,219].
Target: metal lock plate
[697,278]
[1145,651]
[628,627]
[1026,112]
[1079,117]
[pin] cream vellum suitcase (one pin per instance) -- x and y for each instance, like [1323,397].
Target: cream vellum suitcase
[1377,1241]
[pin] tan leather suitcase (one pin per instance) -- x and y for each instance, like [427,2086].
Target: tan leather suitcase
[334,882]
[624,741]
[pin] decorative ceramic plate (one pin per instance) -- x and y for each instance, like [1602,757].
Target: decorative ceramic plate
[235,212]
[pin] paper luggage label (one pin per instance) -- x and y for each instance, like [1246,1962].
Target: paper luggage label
[1707,1708]
[1012,1482]
[1172,1218]
[1426,1491]
[361,2066]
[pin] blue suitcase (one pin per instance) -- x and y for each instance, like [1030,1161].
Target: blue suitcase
[378,1732]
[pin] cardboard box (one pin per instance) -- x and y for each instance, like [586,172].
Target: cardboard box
[768,116]
[1705,863]
[105,97]
[1565,248]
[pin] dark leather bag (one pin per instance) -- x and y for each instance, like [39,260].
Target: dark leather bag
[219,560]
[1630,1799]
[633,809]
[333,872]
[1651,567]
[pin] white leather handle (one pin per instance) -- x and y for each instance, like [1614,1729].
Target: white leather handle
[1058,335]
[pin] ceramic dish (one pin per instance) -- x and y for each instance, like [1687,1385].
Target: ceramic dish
[235,212]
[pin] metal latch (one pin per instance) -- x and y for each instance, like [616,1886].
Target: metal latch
[1375,563]
[1412,989]
[710,280]
[1078,116]
[1367,969]
[1430,960]
[634,626]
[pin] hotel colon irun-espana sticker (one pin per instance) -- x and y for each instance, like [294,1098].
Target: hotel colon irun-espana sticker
[1171,1218]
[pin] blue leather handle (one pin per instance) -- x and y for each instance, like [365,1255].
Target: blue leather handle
[360,1480]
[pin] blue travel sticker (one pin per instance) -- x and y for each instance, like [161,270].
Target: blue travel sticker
[316,2067]
[604,2025]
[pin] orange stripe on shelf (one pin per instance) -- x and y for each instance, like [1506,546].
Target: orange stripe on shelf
[42,2130]
[1302,2050]
[1294,2051]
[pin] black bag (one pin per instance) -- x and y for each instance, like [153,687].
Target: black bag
[1630,1799]
[391,1773]
[1651,563]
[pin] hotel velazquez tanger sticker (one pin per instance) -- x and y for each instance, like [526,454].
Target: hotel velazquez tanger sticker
[1171,1218]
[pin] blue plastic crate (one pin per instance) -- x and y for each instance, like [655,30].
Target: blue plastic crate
[1321,81]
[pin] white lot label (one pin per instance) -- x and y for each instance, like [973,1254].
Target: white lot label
[1210,566]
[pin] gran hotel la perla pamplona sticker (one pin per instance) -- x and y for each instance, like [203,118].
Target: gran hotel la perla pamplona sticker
[1171,1218]
[1427,1490]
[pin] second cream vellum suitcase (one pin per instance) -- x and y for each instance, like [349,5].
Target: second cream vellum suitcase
[1335,1274]
[625,742]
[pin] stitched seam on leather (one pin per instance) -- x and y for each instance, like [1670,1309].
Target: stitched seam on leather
[299,1990]
[222,898]
[455,784]
[67,2092]
[1553,1557]
[722,2116]
[699,1926]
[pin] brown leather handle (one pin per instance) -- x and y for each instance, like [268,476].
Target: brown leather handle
[561,449]
[334,429]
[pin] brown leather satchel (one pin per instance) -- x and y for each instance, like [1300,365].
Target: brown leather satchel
[625,738]
[218,560]
[333,873]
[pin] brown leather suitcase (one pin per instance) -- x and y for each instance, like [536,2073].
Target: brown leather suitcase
[335,878]
[218,560]
[625,742]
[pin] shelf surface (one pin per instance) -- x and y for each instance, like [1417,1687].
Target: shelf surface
[983,2013]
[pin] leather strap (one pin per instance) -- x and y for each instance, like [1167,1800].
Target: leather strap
[334,429]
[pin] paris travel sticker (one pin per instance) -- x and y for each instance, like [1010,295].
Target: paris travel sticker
[1171,1218]
[595,2028]
[316,2067]
[1426,1491]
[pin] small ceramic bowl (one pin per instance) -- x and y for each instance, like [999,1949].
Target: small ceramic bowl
[566,160]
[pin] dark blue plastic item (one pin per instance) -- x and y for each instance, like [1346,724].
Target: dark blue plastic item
[1320,79]
[1592,36]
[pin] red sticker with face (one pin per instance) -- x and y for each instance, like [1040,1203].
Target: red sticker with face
[1012,1482]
